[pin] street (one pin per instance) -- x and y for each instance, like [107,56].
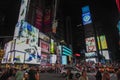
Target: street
[54,76]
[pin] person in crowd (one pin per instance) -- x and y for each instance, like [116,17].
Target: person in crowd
[37,75]
[98,74]
[19,74]
[106,76]
[69,75]
[83,76]
[26,76]
[118,75]
[114,75]
[31,73]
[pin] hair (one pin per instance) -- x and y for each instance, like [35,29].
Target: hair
[106,76]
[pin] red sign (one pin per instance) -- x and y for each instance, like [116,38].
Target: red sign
[44,47]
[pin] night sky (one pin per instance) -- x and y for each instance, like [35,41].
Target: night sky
[104,15]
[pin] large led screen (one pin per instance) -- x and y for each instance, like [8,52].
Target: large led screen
[105,53]
[23,10]
[26,52]
[53,59]
[64,60]
[86,18]
[9,52]
[26,46]
[90,55]
[90,44]
[45,47]
[25,30]
[91,60]
[102,44]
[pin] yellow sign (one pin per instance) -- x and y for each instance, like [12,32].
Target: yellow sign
[102,44]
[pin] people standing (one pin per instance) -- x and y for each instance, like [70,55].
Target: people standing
[84,75]
[69,75]
[31,73]
[19,74]
[98,74]
[37,75]
[114,75]
[106,76]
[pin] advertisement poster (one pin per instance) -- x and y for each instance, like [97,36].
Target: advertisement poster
[9,52]
[91,60]
[52,47]
[38,19]
[47,20]
[53,59]
[106,54]
[64,60]
[86,18]
[90,44]
[90,55]
[26,46]
[23,10]
[25,52]
[45,47]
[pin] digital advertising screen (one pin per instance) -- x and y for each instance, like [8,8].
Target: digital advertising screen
[38,19]
[45,47]
[106,54]
[26,46]
[85,9]
[91,60]
[90,54]
[64,60]
[52,46]
[9,52]
[86,18]
[102,44]
[90,44]
[53,59]
[23,10]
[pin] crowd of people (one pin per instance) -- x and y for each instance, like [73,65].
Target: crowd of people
[11,73]
[33,73]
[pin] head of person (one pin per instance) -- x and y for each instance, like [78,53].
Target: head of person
[106,76]
[68,71]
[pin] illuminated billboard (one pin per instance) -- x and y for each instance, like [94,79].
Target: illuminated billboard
[53,59]
[38,19]
[26,45]
[102,44]
[66,51]
[26,51]
[90,44]
[45,47]
[91,60]
[52,47]
[9,54]
[85,9]
[23,10]
[86,18]
[64,60]
[90,54]
[105,53]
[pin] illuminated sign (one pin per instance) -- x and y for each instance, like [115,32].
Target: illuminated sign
[90,54]
[44,46]
[85,9]
[86,18]
[64,60]
[66,51]
[90,44]
[102,44]
[52,46]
